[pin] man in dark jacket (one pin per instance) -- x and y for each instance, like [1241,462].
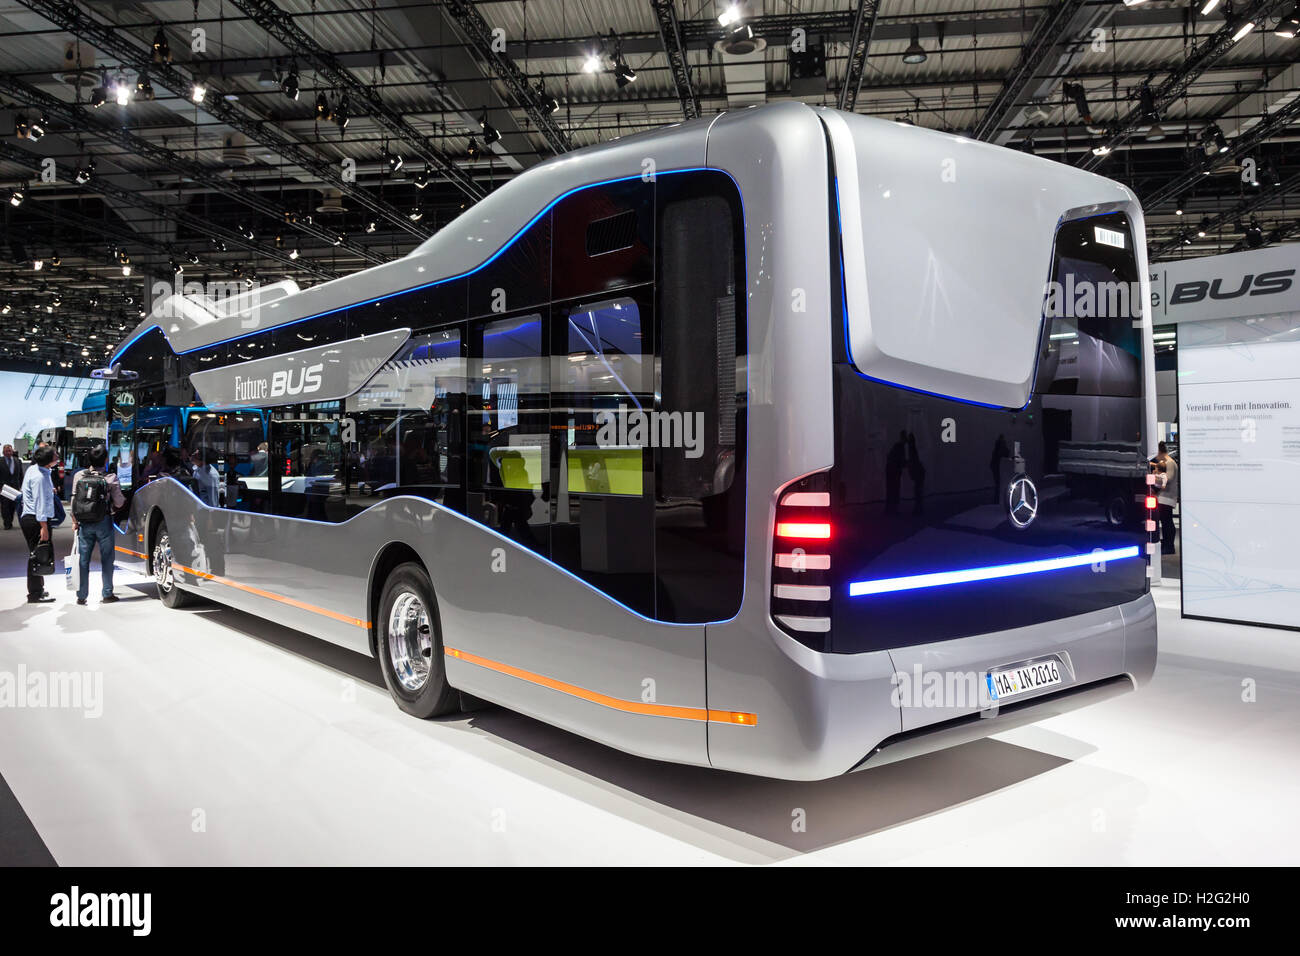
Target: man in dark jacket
[11,475]
[92,520]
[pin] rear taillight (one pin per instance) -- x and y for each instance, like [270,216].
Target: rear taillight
[1152,504]
[801,559]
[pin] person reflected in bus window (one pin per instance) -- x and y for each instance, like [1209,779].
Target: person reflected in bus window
[259,461]
[205,478]
[96,495]
[915,471]
[11,476]
[895,462]
[1001,452]
[173,466]
[153,467]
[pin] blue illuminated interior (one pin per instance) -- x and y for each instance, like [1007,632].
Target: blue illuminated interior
[936,579]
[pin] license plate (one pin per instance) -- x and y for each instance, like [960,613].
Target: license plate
[1023,678]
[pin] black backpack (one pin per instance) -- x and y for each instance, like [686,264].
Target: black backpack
[90,503]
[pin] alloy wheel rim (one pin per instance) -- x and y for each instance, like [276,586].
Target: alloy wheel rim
[162,563]
[410,641]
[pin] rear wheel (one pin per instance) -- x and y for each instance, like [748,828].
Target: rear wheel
[164,574]
[410,645]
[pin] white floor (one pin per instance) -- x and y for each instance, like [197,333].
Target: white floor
[224,739]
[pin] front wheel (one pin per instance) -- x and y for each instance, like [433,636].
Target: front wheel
[410,645]
[164,573]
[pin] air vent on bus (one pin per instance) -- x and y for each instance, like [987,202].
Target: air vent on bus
[611,234]
[801,559]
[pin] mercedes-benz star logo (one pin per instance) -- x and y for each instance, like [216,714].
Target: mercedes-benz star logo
[1022,502]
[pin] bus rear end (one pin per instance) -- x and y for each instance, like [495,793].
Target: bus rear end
[975,555]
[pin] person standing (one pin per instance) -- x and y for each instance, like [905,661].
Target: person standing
[96,494]
[37,517]
[1167,497]
[11,474]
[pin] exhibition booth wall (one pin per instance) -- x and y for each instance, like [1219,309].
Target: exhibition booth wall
[1238,401]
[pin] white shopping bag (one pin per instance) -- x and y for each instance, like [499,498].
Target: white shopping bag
[72,570]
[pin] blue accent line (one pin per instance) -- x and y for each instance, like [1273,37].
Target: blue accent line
[483,265]
[966,575]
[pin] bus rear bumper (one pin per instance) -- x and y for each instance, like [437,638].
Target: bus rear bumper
[822,715]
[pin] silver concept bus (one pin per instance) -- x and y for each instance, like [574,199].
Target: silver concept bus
[704,443]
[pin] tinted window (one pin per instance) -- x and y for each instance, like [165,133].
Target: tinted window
[507,392]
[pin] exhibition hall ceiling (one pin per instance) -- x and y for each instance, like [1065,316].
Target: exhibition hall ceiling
[244,141]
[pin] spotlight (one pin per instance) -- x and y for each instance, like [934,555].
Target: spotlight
[371,226]
[99,95]
[143,88]
[490,134]
[1240,27]
[341,115]
[293,253]
[121,91]
[730,15]
[198,91]
[22,128]
[623,73]
[323,111]
[5,310]
[592,63]
[915,53]
[395,162]
[266,79]
[84,172]
[1076,92]
[472,149]
[421,180]
[37,127]
[416,214]
[176,267]
[1213,141]
[1178,211]
[1254,235]
[339,239]
[193,258]
[38,265]
[546,103]
[1202,227]
[1101,149]
[1289,25]
[162,51]
[56,260]
[289,85]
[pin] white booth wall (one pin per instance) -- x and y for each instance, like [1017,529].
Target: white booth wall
[1238,395]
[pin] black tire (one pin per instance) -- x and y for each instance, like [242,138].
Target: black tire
[164,576]
[409,645]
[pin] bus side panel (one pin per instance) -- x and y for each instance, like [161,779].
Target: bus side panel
[518,630]
[303,575]
[516,627]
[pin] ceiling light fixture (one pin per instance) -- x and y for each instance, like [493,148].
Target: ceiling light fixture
[915,53]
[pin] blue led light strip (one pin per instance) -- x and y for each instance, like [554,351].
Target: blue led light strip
[965,575]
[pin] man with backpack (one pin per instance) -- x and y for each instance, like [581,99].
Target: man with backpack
[96,494]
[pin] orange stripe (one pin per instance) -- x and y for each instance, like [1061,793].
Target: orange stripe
[134,554]
[302,605]
[617,703]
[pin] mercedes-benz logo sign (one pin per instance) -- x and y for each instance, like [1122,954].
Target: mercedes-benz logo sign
[1022,502]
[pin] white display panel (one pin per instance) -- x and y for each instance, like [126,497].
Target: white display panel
[1239,457]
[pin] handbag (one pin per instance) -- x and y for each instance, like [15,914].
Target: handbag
[43,558]
[72,566]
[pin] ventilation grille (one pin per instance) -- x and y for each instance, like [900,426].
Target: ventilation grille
[611,234]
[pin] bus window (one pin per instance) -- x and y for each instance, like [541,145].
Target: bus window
[507,393]
[247,462]
[307,458]
[603,427]
[409,425]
